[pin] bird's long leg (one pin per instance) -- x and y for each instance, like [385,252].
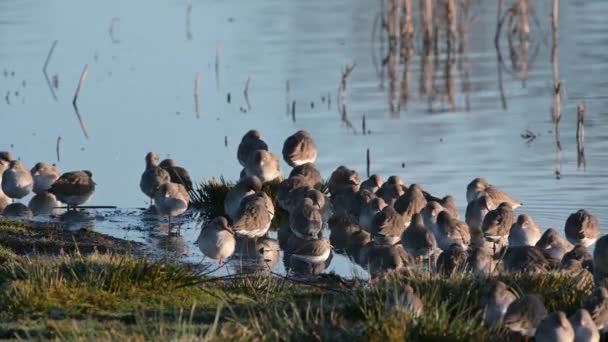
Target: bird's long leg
[219,266]
[169,216]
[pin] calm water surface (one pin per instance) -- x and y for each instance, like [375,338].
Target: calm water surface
[138,97]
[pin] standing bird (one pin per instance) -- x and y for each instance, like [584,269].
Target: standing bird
[44,175]
[585,329]
[600,261]
[452,231]
[312,251]
[392,189]
[310,174]
[582,228]
[264,165]
[251,142]
[496,297]
[299,149]
[387,227]
[480,186]
[305,220]
[254,216]
[496,226]
[477,210]
[525,232]
[177,174]
[554,244]
[217,240]
[410,203]
[452,260]
[597,305]
[74,188]
[17,181]
[343,178]
[373,183]
[289,190]
[171,200]
[417,240]
[245,187]
[525,314]
[429,214]
[153,177]
[555,328]
[44,203]
[449,203]
[5,159]
[369,210]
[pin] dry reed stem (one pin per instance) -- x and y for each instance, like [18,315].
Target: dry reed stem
[580,135]
[197,89]
[57,148]
[367,162]
[246,93]
[44,67]
[218,79]
[83,77]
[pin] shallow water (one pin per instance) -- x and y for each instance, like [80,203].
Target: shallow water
[138,97]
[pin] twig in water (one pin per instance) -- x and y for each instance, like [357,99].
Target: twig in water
[197,85]
[225,141]
[188,16]
[367,162]
[580,136]
[218,80]
[83,76]
[57,148]
[246,93]
[293,111]
[91,207]
[46,64]
[111,30]
[348,69]
[363,128]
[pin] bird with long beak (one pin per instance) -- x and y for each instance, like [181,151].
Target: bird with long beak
[217,240]
[171,200]
[44,175]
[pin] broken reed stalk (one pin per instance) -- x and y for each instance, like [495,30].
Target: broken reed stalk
[556,113]
[246,93]
[580,135]
[57,149]
[348,69]
[44,67]
[293,111]
[363,128]
[83,77]
[367,162]
[197,90]
[218,80]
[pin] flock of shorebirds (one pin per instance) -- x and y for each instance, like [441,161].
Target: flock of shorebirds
[381,225]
